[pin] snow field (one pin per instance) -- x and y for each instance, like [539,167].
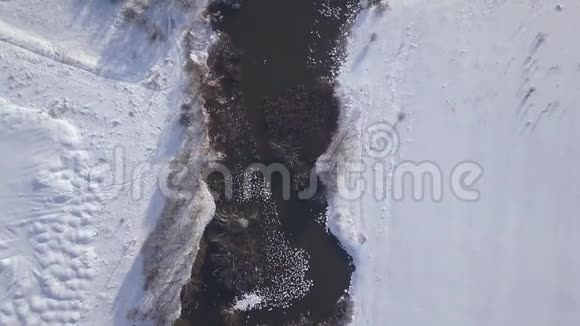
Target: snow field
[80,85]
[494,82]
[48,209]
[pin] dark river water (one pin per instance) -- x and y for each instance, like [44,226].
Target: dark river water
[269,98]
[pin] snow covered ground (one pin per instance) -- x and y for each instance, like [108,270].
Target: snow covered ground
[490,81]
[88,115]
[89,108]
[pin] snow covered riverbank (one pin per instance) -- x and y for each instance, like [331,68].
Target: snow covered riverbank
[89,121]
[493,82]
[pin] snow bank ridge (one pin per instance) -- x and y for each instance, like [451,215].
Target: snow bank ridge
[43,47]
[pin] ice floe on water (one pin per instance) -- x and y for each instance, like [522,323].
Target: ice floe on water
[248,302]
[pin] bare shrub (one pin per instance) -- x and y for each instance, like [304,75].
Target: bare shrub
[229,130]
[235,248]
[133,10]
[382,6]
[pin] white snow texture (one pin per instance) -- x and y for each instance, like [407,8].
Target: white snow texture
[89,116]
[489,81]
